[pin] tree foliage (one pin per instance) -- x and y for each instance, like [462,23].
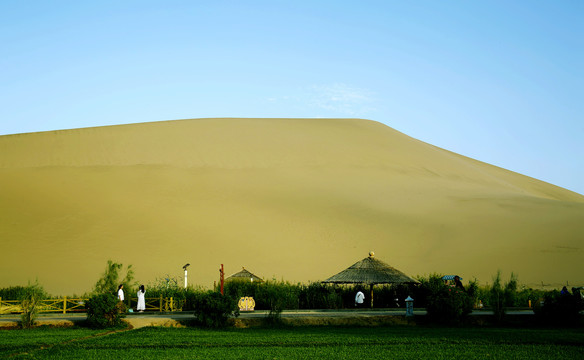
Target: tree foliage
[110,279]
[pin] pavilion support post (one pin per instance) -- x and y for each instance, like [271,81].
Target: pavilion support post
[371,287]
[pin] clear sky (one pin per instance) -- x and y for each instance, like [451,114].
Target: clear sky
[498,81]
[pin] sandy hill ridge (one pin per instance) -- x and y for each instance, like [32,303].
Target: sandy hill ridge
[298,199]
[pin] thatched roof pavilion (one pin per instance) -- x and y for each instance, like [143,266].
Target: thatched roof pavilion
[370,271]
[244,275]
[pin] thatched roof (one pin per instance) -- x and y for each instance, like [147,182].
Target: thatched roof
[244,275]
[370,271]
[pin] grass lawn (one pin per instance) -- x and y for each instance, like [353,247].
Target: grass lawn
[296,343]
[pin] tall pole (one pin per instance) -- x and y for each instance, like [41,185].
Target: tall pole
[185,269]
[221,276]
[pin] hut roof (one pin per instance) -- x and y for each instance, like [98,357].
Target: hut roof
[450,277]
[371,271]
[244,275]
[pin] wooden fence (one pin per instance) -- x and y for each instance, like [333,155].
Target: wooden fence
[70,305]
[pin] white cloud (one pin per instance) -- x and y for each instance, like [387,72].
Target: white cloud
[341,98]
[330,100]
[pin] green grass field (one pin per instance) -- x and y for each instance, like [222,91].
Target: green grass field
[295,343]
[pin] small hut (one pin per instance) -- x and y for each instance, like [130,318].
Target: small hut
[370,271]
[244,275]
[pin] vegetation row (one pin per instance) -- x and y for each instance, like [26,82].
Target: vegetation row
[444,303]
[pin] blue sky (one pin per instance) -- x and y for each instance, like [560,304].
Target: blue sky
[498,81]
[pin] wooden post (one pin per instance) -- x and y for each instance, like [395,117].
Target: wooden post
[221,277]
[171,304]
[160,303]
[65,305]
[0,304]
[371,286]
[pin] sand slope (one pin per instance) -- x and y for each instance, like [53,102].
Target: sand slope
[298,199]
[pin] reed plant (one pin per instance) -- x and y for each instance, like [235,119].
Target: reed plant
[502,296]
[29,301]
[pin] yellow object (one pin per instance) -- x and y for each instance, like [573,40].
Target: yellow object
[246,303]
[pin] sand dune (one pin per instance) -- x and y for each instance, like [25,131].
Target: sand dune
[293,199]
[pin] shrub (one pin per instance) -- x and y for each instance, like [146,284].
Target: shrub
[277,296]
[320,296]
[213,309]
[104,310]
[169,287]
[560,309]
[526,296]
[29,301]
[19,292]
[238,288]
[445,304]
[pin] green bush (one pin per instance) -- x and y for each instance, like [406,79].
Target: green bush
[277,296]
[526,296]
[269,295]
[560,309]
[280,295]
[104,310]
[19,292]
[238,288]
[213,309]
[445,304]
[317,295]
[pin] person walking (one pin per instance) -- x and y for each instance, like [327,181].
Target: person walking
[359,298]
[141,299]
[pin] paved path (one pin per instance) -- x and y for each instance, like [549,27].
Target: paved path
[174,319]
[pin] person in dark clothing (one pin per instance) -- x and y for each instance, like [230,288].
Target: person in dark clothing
[458,283]
[564,291]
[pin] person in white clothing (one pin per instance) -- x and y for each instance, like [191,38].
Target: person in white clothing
[121,292]
[359,298]
[141,299]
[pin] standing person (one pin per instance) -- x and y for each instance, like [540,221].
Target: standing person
[458,283]
[141,299]
[121,292]
[359,298]
[564,291]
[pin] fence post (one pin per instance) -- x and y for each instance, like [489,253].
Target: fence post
[65,305]
[0,304]
[171,304]
[160,303]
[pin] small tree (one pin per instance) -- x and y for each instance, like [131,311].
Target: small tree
[109,281]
